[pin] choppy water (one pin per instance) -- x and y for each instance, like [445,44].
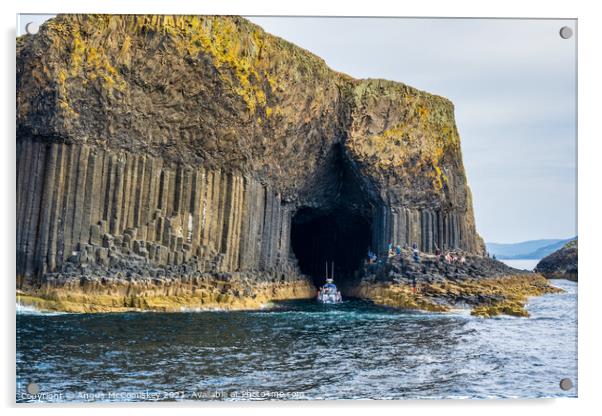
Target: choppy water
[299,350]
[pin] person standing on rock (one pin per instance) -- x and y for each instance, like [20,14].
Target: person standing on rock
[414,284]
[390,252]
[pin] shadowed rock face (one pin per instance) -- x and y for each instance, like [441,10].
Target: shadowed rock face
[161,146]
[561,264]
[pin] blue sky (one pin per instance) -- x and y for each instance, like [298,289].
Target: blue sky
[513,86]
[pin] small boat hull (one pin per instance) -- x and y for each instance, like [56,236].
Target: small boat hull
[329,293]
[329,296]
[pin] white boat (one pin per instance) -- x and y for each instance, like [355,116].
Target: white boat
[329,292]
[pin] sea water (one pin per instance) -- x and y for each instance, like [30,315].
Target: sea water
[298,350]
[522,264]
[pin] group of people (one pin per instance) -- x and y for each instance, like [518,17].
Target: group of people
[449,257]
[393,251]
[452,258]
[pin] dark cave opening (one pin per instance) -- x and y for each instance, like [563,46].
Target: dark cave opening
[337,224]
[338,236]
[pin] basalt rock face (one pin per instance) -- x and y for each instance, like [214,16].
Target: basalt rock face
[406,143]
[562,264]
[192,145]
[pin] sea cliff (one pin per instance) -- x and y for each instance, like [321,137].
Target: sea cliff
[163,162]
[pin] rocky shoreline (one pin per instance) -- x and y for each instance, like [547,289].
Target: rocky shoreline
[486,286]
[206,292]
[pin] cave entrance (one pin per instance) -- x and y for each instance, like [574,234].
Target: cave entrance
[338,236]
[336,224]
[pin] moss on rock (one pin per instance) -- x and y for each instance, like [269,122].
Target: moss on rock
[121,297]
[506,295]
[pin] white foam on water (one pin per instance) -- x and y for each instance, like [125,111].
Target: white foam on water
[201,309]
[31,310]
[268,305]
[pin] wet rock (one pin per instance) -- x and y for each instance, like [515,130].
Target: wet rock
[487,286]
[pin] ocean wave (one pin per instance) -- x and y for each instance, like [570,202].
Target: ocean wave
[31,310]
[187,309]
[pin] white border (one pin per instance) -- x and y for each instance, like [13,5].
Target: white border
[589,185]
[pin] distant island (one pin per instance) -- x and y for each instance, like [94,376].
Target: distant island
[531,249]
